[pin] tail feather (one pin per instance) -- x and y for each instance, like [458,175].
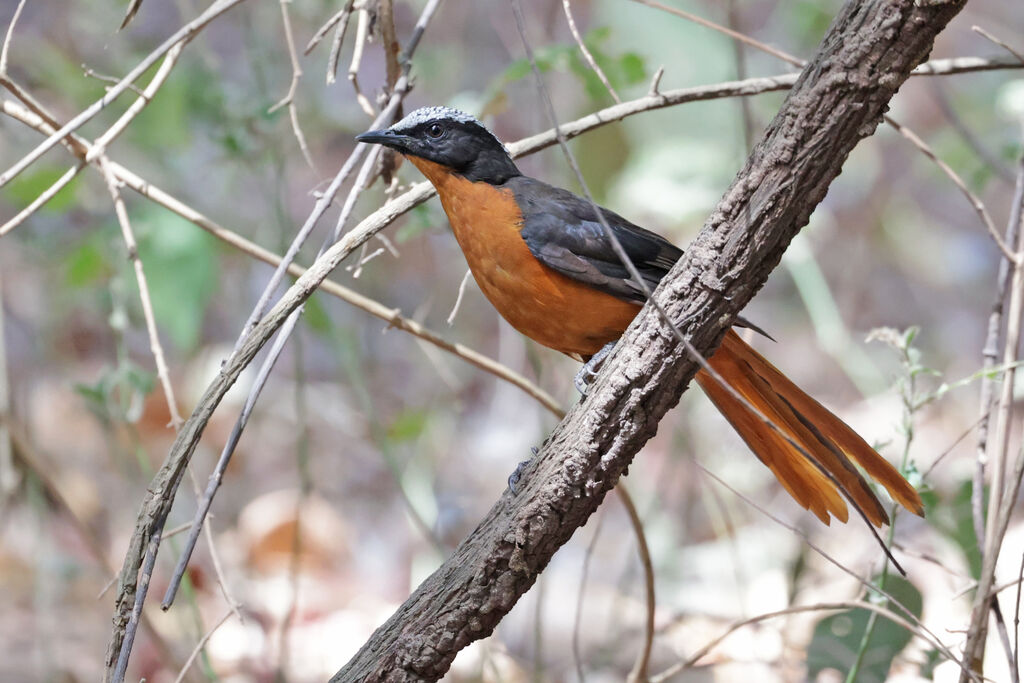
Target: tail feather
[830,442]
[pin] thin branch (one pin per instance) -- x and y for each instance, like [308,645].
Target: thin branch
[1004,481]
[639,670]
[990,355]
[690,661]
[200,645]
[217,476]
[141,584]
[339,16]
[289,98]
[580,594]
[362,37]
[133,8]
[90,73]
[147,306]
[975,201]
[339,37]
[9,36]
[987,156]
[1001,43]
[458,299]
[99,146]
[42,198]
[735,35]
[586,52]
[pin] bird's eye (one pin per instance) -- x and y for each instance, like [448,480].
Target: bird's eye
[435,130]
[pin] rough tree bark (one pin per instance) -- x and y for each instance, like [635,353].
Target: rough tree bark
[839,99]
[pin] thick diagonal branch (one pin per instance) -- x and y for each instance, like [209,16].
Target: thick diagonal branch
[839,99]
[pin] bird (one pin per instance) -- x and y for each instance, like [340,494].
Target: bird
[543,258]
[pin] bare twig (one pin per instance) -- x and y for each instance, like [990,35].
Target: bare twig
[458,298]
[735,35]
[987,156]
[586,52]
[90,73]
[42,198]
[690,661]
[990,354]
[362,37]
[653,90]
[343,18]
[1001,43]
[1004,480]
[338,16]
[289,98]
[9,36]
[200,645]
[133,8]
[147,307]
[639,671]
[975,201]
[132,625]
[580,593]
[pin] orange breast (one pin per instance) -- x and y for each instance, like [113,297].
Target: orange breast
[541,303]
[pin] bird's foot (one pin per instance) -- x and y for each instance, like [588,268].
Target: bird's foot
[588,373]
[517,474]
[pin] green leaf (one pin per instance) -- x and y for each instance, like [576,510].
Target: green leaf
[633,68]
[961,527]
[316,316]
[165,122]
[24,189]
[407,426]
[87,263]
[517,70]
[837,638]
[181,271]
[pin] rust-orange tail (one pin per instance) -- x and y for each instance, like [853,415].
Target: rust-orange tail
[826,438]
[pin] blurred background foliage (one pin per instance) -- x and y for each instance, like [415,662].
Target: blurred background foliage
[371,454]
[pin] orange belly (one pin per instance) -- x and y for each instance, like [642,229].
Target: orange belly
[546,306]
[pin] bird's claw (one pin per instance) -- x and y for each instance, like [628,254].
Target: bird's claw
[588,373]
[517,474]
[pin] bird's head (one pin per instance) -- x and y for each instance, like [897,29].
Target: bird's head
[451,139]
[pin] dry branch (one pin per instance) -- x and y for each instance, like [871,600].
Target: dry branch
[839,98]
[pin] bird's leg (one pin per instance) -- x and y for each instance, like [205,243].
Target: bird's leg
[516,475]
[589,371]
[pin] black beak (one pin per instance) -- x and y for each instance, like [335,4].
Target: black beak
[386,137]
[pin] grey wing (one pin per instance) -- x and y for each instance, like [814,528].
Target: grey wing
[563,232]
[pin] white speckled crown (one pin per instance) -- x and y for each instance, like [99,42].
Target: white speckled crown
[424,114]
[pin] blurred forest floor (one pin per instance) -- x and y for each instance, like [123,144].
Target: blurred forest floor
[371,454]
